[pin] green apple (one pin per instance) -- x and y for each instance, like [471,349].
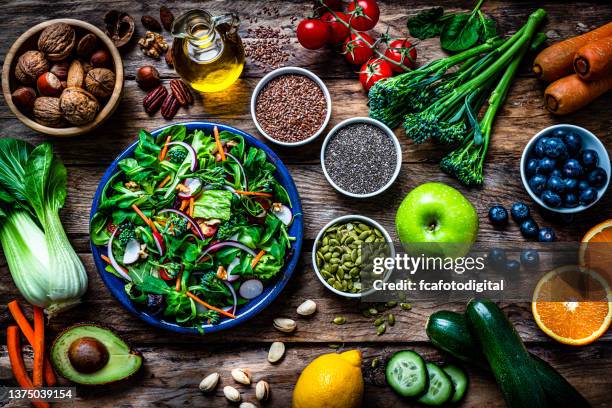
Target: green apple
[435,213]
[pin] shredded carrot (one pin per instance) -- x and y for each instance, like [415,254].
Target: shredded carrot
[206,305]
[17,365]
[218,143]
[108,261]
[253,193]
[38,346]
[164,151]
[144,217]
[28,332]
[184,205]
[165,181]
[191,206]
[179,277]
[255,260]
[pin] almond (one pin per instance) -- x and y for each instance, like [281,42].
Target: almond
[76,75]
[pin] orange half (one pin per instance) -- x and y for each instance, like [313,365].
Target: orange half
[596,250]
[585,312]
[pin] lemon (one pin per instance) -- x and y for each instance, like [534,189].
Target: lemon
[330,381]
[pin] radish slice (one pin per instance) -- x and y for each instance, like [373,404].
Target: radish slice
[191,151]
[159,243]
[251,288]
[131,253]
[246,182]
[194,185]
[219,245]
[191,221]
[120,269]
[230,268]
[283,213]
[234,296]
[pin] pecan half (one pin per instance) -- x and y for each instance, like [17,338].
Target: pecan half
[170,107]
[181,92]
[154,99]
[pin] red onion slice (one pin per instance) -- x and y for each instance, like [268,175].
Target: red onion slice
[246,182]
[194,185]
[191,221]
[217,246]
[251,288]
[131,253]
[232,278]
[191,151]
[235,298]
[120,270]
[159,243]
[283,213]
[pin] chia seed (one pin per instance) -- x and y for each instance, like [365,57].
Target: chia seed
[360,158]
[291,108]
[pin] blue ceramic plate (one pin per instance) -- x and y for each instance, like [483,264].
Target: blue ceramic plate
[116,285]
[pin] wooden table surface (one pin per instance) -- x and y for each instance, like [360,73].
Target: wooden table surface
[176,364]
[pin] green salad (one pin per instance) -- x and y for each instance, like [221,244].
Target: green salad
[195,224]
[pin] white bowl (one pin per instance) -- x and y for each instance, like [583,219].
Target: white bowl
[285,71]
[384,128]
[345,219]
[589,141]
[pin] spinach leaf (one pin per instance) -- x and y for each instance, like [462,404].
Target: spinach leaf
[488,27]
[426,24]
[460,33]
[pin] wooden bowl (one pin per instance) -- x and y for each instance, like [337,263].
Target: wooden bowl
[28,41]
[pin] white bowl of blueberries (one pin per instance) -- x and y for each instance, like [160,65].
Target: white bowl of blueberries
[565,168]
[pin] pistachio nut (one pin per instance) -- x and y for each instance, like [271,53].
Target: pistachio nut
[209,383]
[285,325]
[262,391]
[307,308]
[241,375]
[276,352]
[231,393]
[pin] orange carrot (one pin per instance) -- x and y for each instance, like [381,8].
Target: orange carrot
[107,260]
[253,193]
[218,143]
[144,217]
[17,365]
[594,60]
[165,181]
[206,305]
[38,346]
[255,260]
[567,95]
[556,61]
[28,332]
[191,206]
[178,280]
[184,205]
[164,151]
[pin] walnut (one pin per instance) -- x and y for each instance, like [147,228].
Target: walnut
[30,66]
[100,82]
[78,106]
[47,111]
[57,41]
[153,45]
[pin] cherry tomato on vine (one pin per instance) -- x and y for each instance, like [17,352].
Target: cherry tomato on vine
[312,33]
[402,51]
[337,30]
[358,50]
[333,4]
[373,71]
[363,14]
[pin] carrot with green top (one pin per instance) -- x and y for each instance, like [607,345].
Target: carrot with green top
[38,346]
[218,143]
[164,151]
[206,305]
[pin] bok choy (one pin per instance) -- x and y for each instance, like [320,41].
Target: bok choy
[44,266]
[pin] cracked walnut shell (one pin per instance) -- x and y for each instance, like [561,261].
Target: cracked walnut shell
[47,111]
[30,65]
[100,82]
[57,41]
[78,106]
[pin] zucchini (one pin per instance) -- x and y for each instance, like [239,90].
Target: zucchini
[406,373]
[448,331]
[459,379]
[506,354]
[440,389]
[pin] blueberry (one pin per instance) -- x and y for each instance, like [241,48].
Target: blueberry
[597,178]
[496,258]
[572,169]
[529,228]
[537,184]
[519,212]
[559,132]
[530,258]
[573,142]
[555,147]
[513,266]
[570,200]
[570,184]
[498,215]
[551,199]
[583,185]
[555,184]
[546,165]
[539,147]
[546,234]
[556,173]
[532,167]
[589,159]
[587,196]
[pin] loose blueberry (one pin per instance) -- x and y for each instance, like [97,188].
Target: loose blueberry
[570,200]
[555,147]
[532,167]
[570,184]
[539,147]
[587,196]
[529,228]
[513,266]
[555,184]
[572,169]
[597,178]
[537,184]
[573,142]
[530,258]
[496,258]
[546,234]
[551,199]
[583,185]
[498,215]
[589,159]
[546,165]
[519,212]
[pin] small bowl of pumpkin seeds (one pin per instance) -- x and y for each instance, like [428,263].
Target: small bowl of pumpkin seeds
[337,252]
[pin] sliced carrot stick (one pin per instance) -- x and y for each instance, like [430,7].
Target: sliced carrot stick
[255,260]
[206,305]
[17,365]
[38,346]
[144,217]
[184,205]
[178,281]
[191,206]
[253,193]
[165,181]
[28,332]
[107,260]
[164,151]
[218,143]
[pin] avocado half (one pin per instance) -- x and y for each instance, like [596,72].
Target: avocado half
[91,354]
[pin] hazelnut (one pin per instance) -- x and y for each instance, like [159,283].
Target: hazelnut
[47,111]
[60,69]
[86,45]
[78,106]
[23,97]
[30,65]
[48,84]
[100,82]
[100,59]
[147,77]
[57,41]
[76,74]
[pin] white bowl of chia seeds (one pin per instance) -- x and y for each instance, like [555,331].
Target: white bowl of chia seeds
[291,106]
[361,157]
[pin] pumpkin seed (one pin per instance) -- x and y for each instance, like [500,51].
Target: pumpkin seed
[406,306]
[375,362]
[381,329]
[373,311]
[391,319]
[391,304]
[339,320]
[379,321]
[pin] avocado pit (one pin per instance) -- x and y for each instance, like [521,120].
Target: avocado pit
[88,355]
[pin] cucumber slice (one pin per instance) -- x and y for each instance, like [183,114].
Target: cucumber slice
[406,373]
[440,388]
[459,379]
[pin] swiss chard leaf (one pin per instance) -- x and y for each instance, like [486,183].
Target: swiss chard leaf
[426,24]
